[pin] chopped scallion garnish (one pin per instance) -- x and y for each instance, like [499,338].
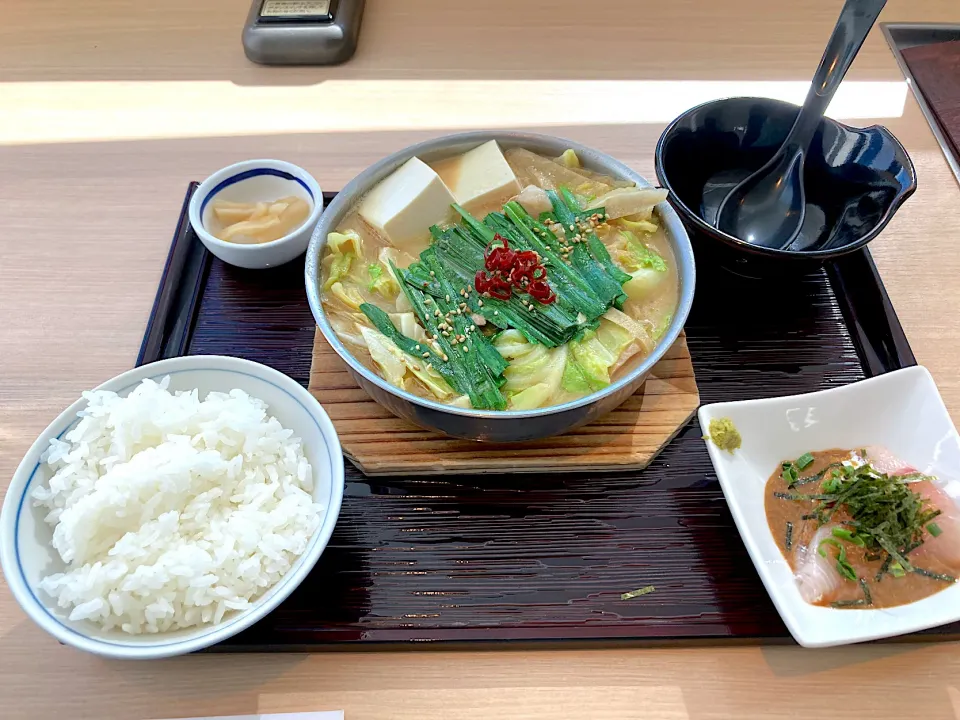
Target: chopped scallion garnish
[804,461]
[934,529]
[637,593]
[843,566]
[844,534]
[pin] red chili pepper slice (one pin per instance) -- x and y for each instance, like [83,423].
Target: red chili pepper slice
[517,275]
[481,282]
[510,269]
[500,289]
[542,292]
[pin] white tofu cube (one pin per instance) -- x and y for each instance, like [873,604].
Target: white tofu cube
[480,179]
[405,204]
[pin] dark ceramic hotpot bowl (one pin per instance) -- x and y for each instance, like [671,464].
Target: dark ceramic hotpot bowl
[856,177]
[492,425]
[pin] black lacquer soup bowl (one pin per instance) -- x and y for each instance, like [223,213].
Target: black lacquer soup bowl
[855,178]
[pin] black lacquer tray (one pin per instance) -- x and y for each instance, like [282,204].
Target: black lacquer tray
[527,559]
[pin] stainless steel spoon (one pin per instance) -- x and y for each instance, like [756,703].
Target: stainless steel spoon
[767,208]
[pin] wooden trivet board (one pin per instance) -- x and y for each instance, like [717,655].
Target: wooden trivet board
[379,443]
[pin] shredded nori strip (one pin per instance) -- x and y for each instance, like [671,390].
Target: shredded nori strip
[883,568]
[848,603]
[815,477]
[868,598]
[799,496]
[934,576]
[789,539]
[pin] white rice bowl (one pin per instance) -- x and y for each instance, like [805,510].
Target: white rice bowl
[160,523]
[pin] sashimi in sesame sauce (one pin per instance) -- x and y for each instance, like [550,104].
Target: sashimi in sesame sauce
[862,529]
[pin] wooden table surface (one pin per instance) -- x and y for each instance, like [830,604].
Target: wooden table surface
[109,107]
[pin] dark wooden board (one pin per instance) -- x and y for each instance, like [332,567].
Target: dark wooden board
[936,70]
[544,557]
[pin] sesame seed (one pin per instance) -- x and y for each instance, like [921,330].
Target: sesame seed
[426,354]
[466,349]
[480,303]
[445,358]
[448,298]
[572,226]
[416,367]
[432,274]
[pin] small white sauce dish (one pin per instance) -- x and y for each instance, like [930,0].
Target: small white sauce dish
[254,181]
[902,411]
[27,555]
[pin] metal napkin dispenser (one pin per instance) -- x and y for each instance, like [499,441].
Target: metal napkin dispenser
[302,32]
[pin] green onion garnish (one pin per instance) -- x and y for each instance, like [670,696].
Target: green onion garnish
[896,569]
[934,529]
[637,593]
[844,534]
[843,566]
[788,472]
[804,461]
[832,484]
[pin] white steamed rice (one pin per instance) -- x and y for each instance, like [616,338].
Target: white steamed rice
[170,511]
